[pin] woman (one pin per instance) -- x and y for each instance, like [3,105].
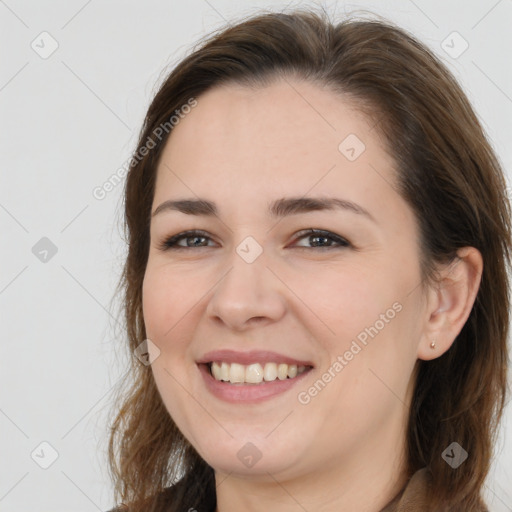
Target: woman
[319,237]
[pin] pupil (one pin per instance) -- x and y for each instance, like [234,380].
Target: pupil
[319,238]
[195,238]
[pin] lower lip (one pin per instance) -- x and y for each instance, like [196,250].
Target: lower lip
[247,393]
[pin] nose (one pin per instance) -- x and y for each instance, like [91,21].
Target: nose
[248,295]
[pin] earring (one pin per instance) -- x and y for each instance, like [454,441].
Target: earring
[433,345]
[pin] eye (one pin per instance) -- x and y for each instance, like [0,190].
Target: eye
[199,237]
[194,235]
[322,236]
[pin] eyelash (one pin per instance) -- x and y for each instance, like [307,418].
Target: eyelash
[171,242]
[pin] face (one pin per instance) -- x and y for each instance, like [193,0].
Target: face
[314,335]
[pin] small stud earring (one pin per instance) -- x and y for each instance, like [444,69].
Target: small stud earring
[433,345]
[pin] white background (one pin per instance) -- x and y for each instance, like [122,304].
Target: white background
[68,123]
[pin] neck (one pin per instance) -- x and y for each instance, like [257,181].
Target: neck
[367,479]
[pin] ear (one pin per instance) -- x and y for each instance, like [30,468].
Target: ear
[450,302]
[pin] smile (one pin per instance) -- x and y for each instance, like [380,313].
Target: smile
[255,373]
[250,376]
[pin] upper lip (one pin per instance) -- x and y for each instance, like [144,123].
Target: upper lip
[250,357]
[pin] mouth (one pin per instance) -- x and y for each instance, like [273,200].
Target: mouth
[250,377]
[255,373]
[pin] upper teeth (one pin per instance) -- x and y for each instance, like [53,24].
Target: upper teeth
[254,373]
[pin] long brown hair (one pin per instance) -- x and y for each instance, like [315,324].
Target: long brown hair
[448,174]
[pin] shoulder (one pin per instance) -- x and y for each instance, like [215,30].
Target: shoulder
[414,496]
[158,503]
[202,499]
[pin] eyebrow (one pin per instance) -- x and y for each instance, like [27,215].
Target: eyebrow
[279,208]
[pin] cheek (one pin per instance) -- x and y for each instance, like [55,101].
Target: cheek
[366,317]
[153,304]
[346,300]
[165,308]
[171,309]
[164,302]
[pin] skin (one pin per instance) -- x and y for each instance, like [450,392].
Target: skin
[243,148]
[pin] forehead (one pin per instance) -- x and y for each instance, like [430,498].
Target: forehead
[286,138]
[286,117]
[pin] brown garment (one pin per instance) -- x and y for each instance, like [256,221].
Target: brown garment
[413,497]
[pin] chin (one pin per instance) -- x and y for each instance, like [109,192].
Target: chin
[249,456]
